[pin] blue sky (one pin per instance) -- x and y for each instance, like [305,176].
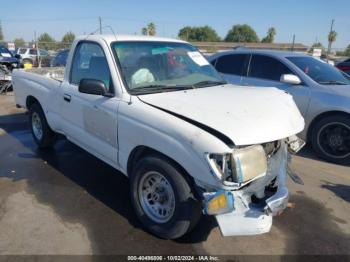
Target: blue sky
[308,20]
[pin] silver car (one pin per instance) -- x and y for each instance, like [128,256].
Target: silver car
[321,92]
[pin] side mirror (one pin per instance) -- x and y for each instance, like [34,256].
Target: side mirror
[290,79]
[92,87]
[18,56]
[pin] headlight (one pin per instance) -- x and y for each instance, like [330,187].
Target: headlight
[249,163]
[243,165]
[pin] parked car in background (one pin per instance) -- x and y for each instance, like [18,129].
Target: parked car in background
[60,59]
[14,52]
[30,56]
[326,59]
[321,92]
[344,66]
[9,60]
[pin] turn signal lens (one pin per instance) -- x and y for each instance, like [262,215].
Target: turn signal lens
[220,203]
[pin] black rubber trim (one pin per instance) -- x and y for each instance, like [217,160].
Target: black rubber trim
[206,128]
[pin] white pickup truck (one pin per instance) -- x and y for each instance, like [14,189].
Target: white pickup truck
[157,111]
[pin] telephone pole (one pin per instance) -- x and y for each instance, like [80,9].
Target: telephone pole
[329,42]
[37,58]
[100,22]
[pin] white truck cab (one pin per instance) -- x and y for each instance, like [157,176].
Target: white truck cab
[157,111]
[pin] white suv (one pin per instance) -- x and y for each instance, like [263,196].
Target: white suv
[29,56]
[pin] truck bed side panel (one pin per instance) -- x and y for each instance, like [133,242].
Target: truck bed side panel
[44,89]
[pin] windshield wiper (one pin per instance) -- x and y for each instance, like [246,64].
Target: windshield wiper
[159,88]
[209,83]
[332,82]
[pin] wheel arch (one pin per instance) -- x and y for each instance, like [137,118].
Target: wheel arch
[321,116]
[141,151]
[28,59]
[30,100]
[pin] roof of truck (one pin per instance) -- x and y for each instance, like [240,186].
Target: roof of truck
[112,38]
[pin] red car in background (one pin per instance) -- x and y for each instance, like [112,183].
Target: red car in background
[344,66]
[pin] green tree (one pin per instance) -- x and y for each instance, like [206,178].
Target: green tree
[347,51]
[144,31]
[150,29]
[241,33]
[1,33]
[19,42]
[269,38]
[203,33]
[68,37]
[46,41]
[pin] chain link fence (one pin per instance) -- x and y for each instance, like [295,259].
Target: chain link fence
[51,47]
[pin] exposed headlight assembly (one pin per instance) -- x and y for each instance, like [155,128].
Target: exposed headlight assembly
[240,166]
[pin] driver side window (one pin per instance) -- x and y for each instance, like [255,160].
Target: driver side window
[89,62]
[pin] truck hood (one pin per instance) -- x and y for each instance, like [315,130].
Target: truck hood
[246,115]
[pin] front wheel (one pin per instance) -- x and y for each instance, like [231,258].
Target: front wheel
[162,198]
[331,138]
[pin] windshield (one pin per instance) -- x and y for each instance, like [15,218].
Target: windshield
[4,52]
[163,66]
[22,51]
[320,71]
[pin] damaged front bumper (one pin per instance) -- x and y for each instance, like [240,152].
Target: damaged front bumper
[248,217]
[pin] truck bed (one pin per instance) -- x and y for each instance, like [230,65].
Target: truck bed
[56,73]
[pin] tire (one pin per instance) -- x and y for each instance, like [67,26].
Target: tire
[43,136]
[183,213]
[330,138]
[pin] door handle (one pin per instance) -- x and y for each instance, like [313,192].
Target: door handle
[67,98]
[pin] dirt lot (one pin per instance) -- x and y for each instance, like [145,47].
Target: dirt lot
[65,201]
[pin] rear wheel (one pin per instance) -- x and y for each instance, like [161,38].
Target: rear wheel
[42,133]
[162,198]
[331,138]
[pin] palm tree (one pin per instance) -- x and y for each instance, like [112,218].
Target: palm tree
[151,28]
[270,35]
[332,36]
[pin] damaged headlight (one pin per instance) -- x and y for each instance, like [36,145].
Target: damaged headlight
[240,166]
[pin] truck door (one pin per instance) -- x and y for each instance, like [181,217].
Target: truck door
[91,120]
